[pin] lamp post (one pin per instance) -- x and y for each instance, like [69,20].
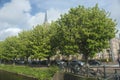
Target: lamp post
[119,46]
[119,53]
[0,58]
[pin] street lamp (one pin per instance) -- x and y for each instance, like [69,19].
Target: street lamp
[0,58]
[119,47]
[118,53]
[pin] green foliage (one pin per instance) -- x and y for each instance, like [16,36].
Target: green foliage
[1,50]
[89,29]
[10,48]
[25,44]
[40,73]
[42,41]
[82,30]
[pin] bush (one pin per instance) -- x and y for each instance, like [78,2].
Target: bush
[48,73]
[44,73]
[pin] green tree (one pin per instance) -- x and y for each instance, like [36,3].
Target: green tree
[90,28]
[39,44]
[10,48]
[42,44]
[25,44]
[57,39]
[63,40]
[1,50]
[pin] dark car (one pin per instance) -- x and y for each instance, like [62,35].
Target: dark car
[94,62]
[60,62]
[76,62]
[75,65]
[20,62]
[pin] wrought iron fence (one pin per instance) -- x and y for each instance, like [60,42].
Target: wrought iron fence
[100,72]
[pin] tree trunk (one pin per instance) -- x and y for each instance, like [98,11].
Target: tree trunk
[86,59]
[48,63]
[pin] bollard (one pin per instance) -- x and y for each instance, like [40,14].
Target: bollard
[104,71]
[87,71]
[115,71]
[115,74]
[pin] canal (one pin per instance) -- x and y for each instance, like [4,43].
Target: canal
[4,75]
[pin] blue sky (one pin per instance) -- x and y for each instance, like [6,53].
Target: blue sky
[18,15]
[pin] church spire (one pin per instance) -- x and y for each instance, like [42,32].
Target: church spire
[45,20]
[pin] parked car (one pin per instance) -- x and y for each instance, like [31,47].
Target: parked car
[76,65]
[20,62]
[94,62]
[76,62]
[58,62]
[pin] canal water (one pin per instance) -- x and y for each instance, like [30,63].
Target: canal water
[4,75]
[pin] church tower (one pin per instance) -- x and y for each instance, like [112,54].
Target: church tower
[45,19]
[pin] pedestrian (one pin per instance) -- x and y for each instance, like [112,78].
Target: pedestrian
[118,61]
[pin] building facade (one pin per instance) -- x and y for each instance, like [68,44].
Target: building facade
[112,52]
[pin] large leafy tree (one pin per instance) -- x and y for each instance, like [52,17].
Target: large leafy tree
[57,39]
[63,40]
[42,46]
[10,48]
[25,44]
[1,50]
[90,28]
[82,30]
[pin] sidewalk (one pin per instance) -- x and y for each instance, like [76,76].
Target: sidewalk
[110,63]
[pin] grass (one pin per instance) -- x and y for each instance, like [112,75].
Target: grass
[40,73]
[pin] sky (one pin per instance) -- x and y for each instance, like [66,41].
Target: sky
[18,15]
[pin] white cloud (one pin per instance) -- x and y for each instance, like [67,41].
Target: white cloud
[115,8]
[15,12]
[115,12]
[9,32]
[58,4]
[54,14]
[13,17]
[36,19]
[12,31]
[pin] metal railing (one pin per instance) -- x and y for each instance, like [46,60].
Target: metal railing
[100,72]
